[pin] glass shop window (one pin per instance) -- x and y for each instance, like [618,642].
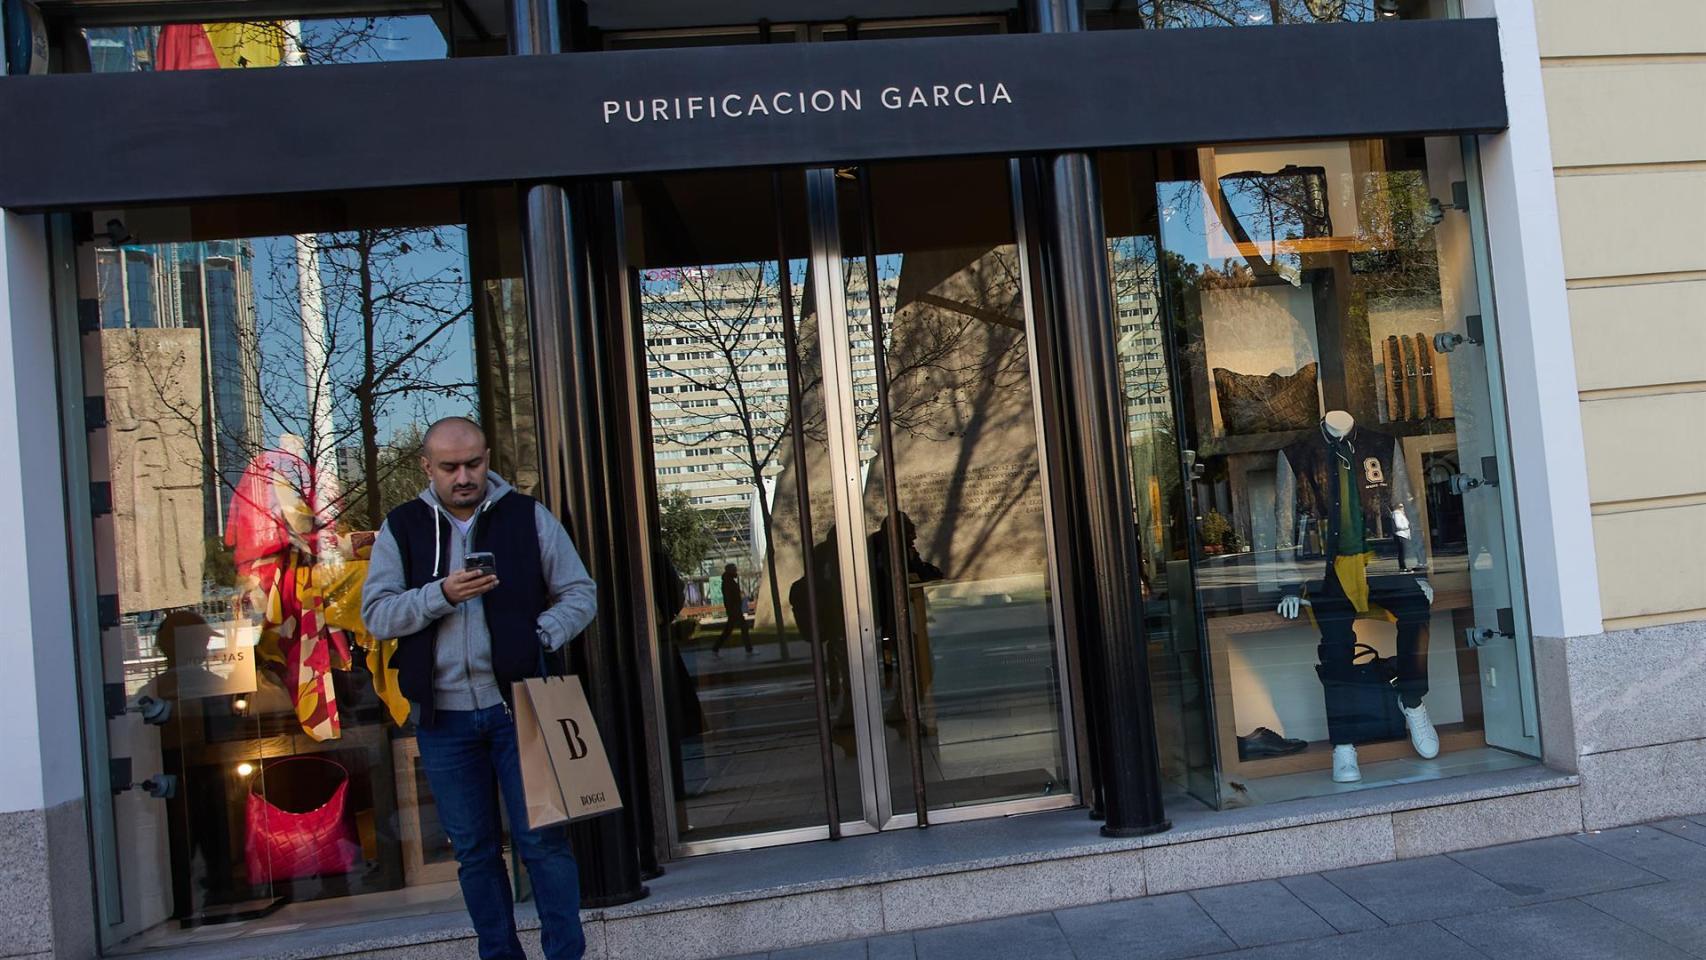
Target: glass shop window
[1327,454]
[264,398]
[1173,14]
[254,44]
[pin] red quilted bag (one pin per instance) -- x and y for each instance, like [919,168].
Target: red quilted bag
[292,844]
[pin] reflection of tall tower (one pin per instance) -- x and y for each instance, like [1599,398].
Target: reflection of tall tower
[234,360]
[121,49]
[207,287]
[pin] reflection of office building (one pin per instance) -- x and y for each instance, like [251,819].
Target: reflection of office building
[1143,362]
[122,49]
[717,373]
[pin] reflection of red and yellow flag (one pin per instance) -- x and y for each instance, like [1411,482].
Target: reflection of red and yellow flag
[297,640]
[215,46]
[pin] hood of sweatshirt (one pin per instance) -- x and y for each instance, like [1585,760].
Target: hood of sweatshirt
[496,487]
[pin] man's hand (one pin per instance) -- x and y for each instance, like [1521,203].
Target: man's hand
[467,584]
[1291,607]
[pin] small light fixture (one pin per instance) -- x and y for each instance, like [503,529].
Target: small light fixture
[1386,9]
[240,705]
[245,769]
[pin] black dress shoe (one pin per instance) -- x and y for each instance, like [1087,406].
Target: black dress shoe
[1263,742]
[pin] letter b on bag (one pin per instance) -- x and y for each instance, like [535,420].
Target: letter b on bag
[572,733]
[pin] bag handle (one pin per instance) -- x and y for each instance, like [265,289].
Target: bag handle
[559,655]
[265,766]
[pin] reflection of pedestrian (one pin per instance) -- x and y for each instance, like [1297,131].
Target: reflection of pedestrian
[918,570]
[734,605]
[182,638]
[823,566]
[684,715]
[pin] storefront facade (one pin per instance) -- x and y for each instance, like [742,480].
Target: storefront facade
[946,401]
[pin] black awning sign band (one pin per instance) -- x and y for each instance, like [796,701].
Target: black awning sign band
[97,140]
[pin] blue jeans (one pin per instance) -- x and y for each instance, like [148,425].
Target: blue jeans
[468,756]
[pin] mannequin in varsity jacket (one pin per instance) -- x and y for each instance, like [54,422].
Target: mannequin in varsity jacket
[1353,482]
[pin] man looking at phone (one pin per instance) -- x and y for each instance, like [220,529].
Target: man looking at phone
[478,582]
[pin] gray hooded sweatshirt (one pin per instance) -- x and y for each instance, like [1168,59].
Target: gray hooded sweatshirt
[462,675]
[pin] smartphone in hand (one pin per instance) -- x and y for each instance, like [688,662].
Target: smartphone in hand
[482,562]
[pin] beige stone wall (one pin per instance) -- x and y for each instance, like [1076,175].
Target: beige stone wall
[1624,84]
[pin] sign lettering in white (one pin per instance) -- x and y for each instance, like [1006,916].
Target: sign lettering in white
[734,106]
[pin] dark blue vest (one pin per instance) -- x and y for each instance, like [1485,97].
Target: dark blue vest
[506,529]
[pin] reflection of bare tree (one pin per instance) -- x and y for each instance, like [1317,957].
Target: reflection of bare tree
[969,338]
[718,329]
[1159,14]
[391,299]
[715,333]
[348,40]
[1391,238]
[401,306]
[959,396]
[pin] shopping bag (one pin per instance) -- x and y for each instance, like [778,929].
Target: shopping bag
[564,770]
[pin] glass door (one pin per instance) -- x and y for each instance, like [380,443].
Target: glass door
[965,662]
[826,350]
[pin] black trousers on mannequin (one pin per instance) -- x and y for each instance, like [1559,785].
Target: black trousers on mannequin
[1336,616]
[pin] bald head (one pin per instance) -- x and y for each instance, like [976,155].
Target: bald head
[454,457]
[453,430]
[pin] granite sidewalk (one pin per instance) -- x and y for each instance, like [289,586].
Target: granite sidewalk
[1635,893]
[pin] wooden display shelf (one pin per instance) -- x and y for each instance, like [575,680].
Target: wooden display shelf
[1274,441]
[1261,621]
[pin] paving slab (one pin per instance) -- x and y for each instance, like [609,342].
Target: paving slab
[1553,869]
[845,950]
[1562,930]
[1154,928]
[1654,850]
[895,946]
[1408,891]
[1332,904]
[1256,914]
[1034,937]
[1415,941]
[1686,829]
[1672,912]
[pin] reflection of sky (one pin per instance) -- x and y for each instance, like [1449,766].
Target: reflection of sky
[283,378]
[273,276]
[396,38]
[1187,219]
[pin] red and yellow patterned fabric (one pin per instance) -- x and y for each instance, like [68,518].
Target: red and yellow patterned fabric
[298,643]
[304,583]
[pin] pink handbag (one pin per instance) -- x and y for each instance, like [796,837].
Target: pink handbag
[289,845]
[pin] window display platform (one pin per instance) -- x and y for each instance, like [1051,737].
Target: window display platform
[796,895]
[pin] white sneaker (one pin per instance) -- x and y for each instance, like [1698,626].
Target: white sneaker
[1345,768]
[1423,736]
